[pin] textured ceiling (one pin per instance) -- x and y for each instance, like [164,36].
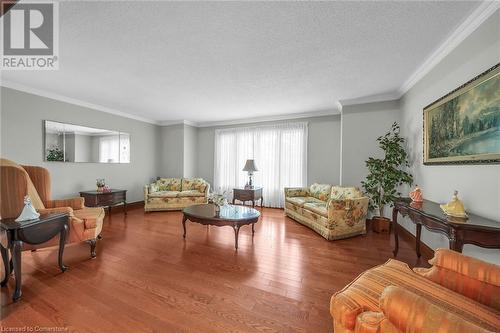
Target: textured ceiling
[214,61]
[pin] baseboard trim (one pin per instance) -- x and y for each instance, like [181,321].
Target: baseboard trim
[130,205]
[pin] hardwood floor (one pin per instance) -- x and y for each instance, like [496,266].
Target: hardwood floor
[146,278]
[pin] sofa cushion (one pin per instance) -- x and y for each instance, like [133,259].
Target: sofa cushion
[320,191]
[154,187]
[364,292]
[197,184]
[317,207]
[178,201]
[424,316]
[296,192]
[164,194]
[341,193]
[169,184]
[300,201]
[191,193]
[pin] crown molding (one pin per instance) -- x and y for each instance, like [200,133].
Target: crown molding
[71,100]
[177,122]
[339,106]
[385,97]
[289,116]
[469,25]
[190,123]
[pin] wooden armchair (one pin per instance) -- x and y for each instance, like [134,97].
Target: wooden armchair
[18,181]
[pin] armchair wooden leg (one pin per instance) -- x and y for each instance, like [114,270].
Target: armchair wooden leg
[92,243]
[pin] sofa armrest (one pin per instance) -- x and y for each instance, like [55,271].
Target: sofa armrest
[65,209]
[455,262]
[207,189]
[424,316]
[374,322]
[146,191]
[465,275]
[296,192]
[75,203]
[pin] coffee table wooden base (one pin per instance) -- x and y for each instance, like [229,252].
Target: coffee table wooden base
[235,225]
[220,221]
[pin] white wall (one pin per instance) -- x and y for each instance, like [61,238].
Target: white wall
[22,116]
[179,151]
[323,146]
[362,125]
[171,151]
[478,185]
[83,148]
[190,151]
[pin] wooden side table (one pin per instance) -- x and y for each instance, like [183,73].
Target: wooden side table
[36,231]
[105,199]
[245,194]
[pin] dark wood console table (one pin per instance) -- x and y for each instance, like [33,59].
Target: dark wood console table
[105,199]
[248,194]
[475,229]
[36,231]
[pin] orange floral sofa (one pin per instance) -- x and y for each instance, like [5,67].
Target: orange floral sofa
[334,212]
[175,193]
[457,294]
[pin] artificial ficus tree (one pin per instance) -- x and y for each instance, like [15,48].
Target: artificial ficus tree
[387,174]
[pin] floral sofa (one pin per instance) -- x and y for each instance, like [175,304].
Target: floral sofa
[175,193]
[457,294]
[332,211]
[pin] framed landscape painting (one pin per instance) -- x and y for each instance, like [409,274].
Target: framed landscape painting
[464,126]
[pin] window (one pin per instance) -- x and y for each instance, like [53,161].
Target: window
[280,154]
[114,148]
[108,149]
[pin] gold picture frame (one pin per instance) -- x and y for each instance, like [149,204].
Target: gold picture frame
[463,127]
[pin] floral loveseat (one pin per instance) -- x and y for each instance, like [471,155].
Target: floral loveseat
[332,211]
[175,193]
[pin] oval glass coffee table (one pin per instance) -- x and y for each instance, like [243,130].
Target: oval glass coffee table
[233,216]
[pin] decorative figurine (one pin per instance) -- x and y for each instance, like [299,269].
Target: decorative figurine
[29,212]
[416,195]
[455,207]
[416,205]
[101,184]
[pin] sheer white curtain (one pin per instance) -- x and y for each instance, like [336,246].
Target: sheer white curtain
[280,154]
[109,149]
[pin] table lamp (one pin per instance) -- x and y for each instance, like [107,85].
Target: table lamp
[250,168]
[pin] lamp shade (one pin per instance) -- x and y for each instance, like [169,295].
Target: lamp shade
[250,166]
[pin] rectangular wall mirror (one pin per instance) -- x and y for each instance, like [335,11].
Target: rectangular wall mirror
[74,143]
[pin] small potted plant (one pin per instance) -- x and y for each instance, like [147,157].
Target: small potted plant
[386,175]
[54,154]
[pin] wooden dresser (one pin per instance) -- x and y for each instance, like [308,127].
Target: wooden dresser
[105,199]
[248,194]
